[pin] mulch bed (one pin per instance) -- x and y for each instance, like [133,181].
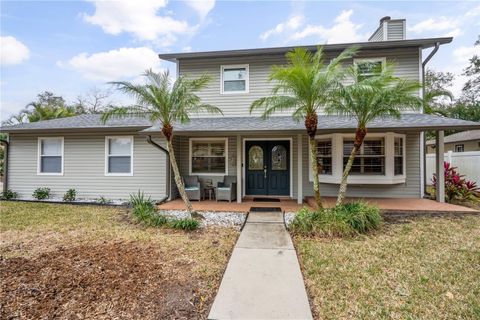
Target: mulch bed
[121,280]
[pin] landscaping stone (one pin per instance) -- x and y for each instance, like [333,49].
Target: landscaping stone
[289,217]
[211,218]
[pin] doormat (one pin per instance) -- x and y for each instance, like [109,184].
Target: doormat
[266,200]
[265,209]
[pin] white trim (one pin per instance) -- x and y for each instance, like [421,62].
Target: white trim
[404,26]
[268,139]
[299,168]
[233,66]
[422,164]
[337,161]
[239,169]
[108,174]
[385,30]
[39,154]
[190,140]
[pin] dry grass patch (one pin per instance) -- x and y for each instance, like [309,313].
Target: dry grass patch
[425,268]
[92,262]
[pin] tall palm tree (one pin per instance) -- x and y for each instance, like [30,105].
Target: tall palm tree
[370,98]
[162,100]
[304,85]
[40,112]
[429,98]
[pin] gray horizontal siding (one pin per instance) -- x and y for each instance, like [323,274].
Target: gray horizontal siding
[409,189]
[378,35]
[406,61]
[395,30]
[84,168]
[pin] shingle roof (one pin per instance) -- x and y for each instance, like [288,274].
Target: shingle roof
[422,43]
[460,136]
[84,121]
[243,124]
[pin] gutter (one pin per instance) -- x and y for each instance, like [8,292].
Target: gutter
[424,64]
[167,154]
[5,164]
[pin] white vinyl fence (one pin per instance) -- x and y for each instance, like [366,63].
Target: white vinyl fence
[468,164]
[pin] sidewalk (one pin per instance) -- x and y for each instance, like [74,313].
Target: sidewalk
[263,278]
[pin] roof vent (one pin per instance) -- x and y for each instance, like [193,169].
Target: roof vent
[386,18]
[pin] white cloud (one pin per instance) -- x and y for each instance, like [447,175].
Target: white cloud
[12,51]
[435,24]
[473,12]
[203,7]
[463,54]
[343,30]
[123,63]
[139,17]
[290,25]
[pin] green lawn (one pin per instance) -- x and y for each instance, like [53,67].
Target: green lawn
[425,268]
[71,261]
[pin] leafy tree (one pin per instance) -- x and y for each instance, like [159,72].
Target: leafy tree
[369,98]
[437,95]
[167,102]
[305,85]
[471,89]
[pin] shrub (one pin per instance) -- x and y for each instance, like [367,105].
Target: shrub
[143,209]
[70,195]
[8,195]
[103,200]
[187,224]
[41,193]
[345,220]
[456,186]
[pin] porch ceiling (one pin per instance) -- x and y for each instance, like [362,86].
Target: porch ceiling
[280,124]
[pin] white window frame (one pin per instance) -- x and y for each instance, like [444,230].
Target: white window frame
[107,154]
[247,79]
[383,60]
[190,153]
[337,160]
[39,157]
[460,145]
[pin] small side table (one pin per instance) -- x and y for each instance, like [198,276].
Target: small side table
[210,191]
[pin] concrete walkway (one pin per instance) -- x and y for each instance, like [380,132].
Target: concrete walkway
[263,278]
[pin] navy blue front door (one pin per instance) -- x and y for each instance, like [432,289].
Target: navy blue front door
[267,168]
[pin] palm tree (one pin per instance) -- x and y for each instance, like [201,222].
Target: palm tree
[42,112]
[162,100]
[370,98]
[304,85]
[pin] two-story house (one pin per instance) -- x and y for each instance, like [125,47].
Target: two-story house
[267,157]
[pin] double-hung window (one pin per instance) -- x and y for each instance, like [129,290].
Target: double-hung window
[50,156]
[234,79]
[459,148]
[208,156]
[369,67]
[370,159]
[324,156]
[119,156]
[398,155]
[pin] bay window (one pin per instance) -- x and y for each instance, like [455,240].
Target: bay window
[208,156]
[380,160]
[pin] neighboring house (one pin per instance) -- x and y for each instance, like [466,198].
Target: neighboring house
[269,158]
[459,142]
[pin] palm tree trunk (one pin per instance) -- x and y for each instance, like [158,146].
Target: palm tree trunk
[311,122]
[359,137]
[178,178]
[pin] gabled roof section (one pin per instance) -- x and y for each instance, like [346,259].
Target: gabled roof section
[421,43]
[81,122]
[460,136]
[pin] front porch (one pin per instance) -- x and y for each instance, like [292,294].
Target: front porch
[387,205]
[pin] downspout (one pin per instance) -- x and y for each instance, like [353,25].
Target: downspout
[424,63]
[168,186]
[5,164]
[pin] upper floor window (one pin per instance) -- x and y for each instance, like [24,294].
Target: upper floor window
[208,156]
[234,79]
[369,67]
[119,156]
[459,148]
[50,156]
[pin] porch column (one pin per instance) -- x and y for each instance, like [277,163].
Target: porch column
[439,150]
[239,169]
[299,169]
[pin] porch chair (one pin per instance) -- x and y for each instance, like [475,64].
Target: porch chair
[192,187]
[227,190]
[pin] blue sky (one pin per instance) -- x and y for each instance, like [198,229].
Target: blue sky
[72,47]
